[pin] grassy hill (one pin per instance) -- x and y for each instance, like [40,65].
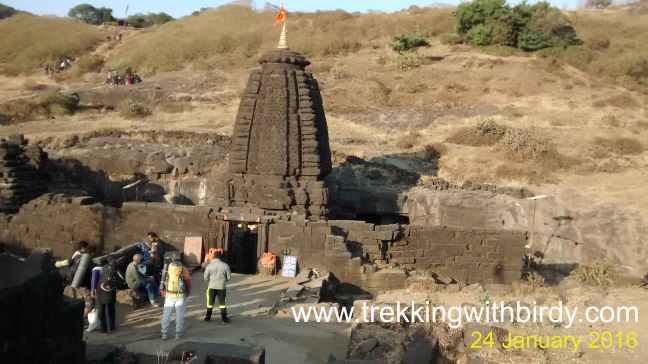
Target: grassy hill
[28,42]
[234,36]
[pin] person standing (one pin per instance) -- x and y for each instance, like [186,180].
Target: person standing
[106,296]
[157,255]
[177,289]
[139,282]
[217,274]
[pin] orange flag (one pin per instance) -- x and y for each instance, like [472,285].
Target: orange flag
[281,15]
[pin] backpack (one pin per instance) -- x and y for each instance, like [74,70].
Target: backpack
[175,281]
[109,278]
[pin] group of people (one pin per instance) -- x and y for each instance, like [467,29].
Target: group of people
[63,64]
[128,78]
[151,274]
[116,38]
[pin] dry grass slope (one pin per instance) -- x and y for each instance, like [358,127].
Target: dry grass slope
[29,42]
[234,37]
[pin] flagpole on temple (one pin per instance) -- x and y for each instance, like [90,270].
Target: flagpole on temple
[283,41]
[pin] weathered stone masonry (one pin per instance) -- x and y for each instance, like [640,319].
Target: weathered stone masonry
[280,151]
[347,248]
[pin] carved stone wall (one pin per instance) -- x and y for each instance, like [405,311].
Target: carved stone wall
[280,150]
[20,176]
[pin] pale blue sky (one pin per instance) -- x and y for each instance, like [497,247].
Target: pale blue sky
[178,8]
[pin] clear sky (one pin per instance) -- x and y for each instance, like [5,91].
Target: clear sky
[178,8]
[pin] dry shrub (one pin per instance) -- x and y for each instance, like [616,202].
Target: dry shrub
[412,86]
[28,41]
[486,133]
[610,121]
[174,107]
[31,85]
[528,173]
[403,61]
[338,72]
[55,103]
[409,140]
[49,104]
[434,152]
[451,39]
[598,42]
[18,111]
[379,93]
[604,147]
[130,109]
[600,273]
[89,64]
[526,143]
[511,111]
[535,280]
[621,101]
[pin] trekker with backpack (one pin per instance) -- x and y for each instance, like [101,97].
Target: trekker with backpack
[106,296]
[176,288]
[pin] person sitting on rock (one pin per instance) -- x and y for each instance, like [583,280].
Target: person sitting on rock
[139,282]
[82,248]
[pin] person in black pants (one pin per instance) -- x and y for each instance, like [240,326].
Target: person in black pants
[107,297]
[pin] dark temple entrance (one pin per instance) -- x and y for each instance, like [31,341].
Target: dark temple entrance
[243,245]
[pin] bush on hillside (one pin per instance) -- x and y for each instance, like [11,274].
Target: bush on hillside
[54,103]
[487,132]
[7,11]
[409,43]
[134,110]
[598,4]
[90,14]
[524,26]
[526,143]
[148,20]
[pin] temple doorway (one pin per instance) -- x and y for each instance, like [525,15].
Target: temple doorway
[243,247]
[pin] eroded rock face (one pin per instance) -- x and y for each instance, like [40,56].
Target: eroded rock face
[280,150]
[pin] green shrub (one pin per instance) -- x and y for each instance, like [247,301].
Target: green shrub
[134,109]
[151,19]
[409,43]
[481,35]
[528,27]
[533,39]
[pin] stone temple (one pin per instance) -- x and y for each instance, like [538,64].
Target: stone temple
[280,151]
[277,193]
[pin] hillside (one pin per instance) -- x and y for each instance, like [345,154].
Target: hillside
[572,123]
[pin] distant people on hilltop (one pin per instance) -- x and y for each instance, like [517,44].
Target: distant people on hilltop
[129,77]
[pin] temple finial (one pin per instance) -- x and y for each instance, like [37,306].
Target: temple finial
[283,41]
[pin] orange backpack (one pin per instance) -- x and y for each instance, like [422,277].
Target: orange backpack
[268,260]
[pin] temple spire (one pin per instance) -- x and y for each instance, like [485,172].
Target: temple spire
[283,41]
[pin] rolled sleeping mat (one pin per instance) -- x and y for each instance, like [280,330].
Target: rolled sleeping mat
[123,252]
[81,272]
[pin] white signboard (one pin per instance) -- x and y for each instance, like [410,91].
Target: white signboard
[289,267]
